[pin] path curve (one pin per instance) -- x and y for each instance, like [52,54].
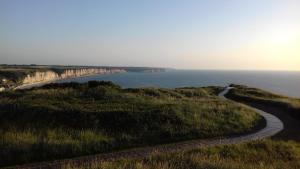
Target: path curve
[274,126]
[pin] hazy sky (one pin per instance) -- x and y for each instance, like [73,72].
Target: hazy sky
[190,34]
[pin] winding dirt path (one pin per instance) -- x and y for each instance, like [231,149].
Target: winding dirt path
[274,126]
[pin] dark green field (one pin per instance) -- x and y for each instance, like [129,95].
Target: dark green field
[66,120]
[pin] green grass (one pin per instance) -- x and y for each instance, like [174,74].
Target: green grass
[255,155]
[68,120]
[244,93]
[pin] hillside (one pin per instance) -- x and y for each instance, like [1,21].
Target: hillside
[67,120]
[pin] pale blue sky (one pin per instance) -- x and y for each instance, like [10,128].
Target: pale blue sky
[190,34]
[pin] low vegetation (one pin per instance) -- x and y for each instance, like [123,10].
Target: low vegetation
[255,155]
[66,120]
[244,93]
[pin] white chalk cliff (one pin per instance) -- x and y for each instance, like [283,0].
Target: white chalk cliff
[49,75]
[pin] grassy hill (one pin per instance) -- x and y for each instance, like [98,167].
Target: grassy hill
[66,120]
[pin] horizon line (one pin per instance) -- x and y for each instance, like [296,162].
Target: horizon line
[204,69]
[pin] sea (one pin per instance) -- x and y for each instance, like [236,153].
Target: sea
[281,82]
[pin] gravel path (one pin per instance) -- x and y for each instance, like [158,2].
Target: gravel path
[274,126]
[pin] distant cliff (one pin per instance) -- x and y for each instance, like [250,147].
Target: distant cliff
[18,76]
[49,75]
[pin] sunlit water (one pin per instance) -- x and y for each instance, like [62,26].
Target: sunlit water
[286,83]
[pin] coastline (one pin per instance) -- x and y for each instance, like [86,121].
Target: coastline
[38,84]
[280,84]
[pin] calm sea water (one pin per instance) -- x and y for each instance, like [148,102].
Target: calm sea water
[286,83]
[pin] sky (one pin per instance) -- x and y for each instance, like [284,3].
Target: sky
[189,34]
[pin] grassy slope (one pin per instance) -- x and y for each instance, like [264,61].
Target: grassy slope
[66,120]
[244,93]
[255,155]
